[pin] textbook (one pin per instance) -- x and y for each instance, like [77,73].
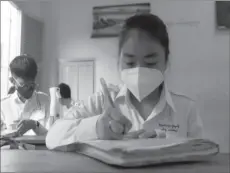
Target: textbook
[36,140]
[142,152]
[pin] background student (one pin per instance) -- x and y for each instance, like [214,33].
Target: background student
[62,99]
[24,109]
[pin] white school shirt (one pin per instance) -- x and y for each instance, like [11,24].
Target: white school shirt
[74,106]
[35,108]
[175,114]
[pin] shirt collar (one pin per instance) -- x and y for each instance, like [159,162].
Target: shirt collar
[18,100]
[165,96]
[168,97]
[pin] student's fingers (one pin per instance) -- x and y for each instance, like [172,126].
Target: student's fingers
[116,127]
[114,113]
[114,136]
[128,126]
[117,116]
[107,112]
[148,134]
[107,128]
[134,134]
[108,100]
[160,133]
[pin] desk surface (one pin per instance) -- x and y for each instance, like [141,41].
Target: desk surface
[51,161]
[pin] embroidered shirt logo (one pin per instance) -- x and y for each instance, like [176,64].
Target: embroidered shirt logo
[169,127]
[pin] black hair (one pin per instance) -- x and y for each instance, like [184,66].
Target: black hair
[24,66]
[149,23]
[64,90]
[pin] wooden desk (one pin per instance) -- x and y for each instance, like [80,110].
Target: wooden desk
[51,161]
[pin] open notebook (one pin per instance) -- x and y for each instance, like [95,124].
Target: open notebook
[141,152]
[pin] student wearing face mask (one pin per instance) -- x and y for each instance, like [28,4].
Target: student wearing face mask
[143,106]
[24,109]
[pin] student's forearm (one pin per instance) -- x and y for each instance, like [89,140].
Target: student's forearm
[40,130]
[3,126]
[51,120]
[69,131]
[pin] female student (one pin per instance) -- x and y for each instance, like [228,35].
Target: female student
[142,107]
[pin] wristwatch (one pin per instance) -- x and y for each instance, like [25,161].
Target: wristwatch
[37,124]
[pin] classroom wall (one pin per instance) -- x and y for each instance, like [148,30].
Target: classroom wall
[31,40]
[32,32]
[33,8]
[199,53]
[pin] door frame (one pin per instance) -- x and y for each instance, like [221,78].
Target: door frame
[61,62]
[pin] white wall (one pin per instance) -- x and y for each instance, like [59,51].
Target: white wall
[31,8]
[199,53]
[31,40]
[32,31]
[49,67]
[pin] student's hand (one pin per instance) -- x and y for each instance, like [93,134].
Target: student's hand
[143,134]
[26,125]
[112,125]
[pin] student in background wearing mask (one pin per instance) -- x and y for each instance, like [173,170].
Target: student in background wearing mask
[65,99]
[24,109]
[143,106]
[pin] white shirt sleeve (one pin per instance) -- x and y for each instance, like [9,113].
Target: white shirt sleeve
[195,125]
[69,131]
[3,125]
[43,102]
[76,126]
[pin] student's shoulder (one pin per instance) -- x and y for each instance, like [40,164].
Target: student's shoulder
[42,95]
[182,98]
[5,99]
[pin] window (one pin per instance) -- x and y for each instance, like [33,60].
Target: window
[10,40]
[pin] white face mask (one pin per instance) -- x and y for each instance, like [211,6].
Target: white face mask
[141,81]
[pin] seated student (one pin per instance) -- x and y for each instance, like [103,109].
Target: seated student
[65,96]
[24,109]
[144,106]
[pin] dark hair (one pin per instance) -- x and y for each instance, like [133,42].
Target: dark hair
[149,23]
[64,90]
[24,66]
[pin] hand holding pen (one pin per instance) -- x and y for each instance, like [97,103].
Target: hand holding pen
[111,124]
